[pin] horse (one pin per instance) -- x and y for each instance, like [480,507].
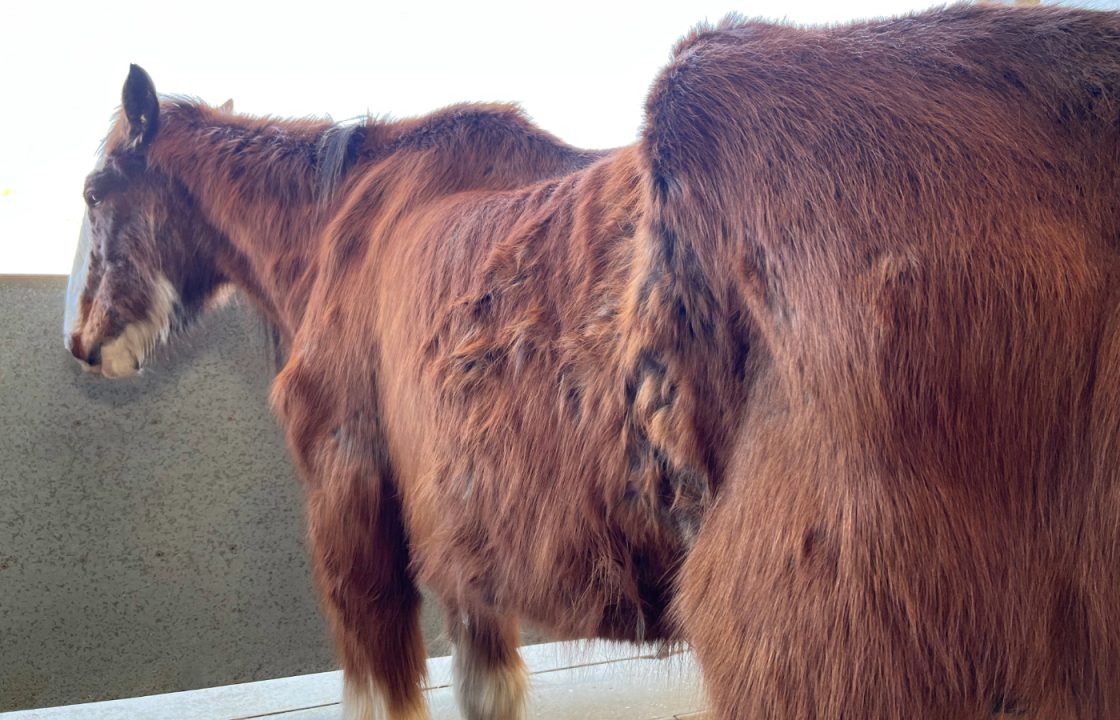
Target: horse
[819,377]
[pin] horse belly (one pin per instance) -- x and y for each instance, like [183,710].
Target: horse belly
[541,558]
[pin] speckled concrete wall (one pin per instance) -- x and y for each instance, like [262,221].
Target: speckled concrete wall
[151,531]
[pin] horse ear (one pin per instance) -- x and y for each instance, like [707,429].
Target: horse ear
[141,107]
[227,106]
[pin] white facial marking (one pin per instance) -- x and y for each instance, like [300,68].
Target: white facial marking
[122,356]
[77,282]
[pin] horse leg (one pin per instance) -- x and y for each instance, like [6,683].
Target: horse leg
[489,676]
[371,601]
[359,548]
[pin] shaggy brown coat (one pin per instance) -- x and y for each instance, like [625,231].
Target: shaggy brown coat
[821,377]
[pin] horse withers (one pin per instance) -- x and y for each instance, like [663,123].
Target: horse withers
[820,377]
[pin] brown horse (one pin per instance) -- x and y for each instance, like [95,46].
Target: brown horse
[821,376]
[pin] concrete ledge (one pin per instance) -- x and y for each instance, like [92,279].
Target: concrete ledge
[570,680]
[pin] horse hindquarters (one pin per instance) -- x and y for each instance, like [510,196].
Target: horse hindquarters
[359,552]
[1095,663]
[804,602]
[760,604]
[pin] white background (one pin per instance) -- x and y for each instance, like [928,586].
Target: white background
[581,70]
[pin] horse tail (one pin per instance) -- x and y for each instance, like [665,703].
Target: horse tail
[704,174]
[686,333]
[696,143]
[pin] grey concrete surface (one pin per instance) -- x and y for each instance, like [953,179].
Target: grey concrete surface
[568,681]
[151,531]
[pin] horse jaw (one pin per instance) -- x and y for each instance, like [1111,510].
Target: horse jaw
[122,356]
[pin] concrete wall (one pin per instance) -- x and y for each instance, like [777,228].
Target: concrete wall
[151,531]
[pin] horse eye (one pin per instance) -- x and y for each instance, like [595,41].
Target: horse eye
[92,200]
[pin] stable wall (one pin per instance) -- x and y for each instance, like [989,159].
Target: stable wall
[151,530]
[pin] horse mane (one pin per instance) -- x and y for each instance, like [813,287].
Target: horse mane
[476,120]
[335,154]
[332,156]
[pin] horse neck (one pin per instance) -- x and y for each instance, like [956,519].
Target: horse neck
[257,182]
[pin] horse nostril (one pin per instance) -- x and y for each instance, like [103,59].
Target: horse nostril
[94,357]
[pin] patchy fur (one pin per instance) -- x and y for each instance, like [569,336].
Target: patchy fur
[819,377]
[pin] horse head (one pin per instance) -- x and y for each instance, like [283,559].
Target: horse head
[141,273]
